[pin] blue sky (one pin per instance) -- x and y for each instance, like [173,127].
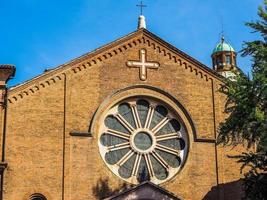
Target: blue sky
[40,34]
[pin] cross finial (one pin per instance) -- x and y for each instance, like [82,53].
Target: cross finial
[141,5]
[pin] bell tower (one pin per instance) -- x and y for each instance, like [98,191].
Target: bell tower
[224,59]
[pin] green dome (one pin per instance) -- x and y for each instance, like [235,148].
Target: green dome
[223,46]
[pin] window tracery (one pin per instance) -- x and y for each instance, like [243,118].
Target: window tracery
[142,139]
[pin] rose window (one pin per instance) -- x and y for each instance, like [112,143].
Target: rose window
[142,139]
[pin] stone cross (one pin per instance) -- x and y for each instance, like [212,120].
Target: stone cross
[143,65]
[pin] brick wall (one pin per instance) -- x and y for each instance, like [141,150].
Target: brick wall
[39,144]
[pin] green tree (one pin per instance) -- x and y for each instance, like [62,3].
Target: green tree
[247,108]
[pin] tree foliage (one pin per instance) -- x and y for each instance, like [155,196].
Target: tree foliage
[247,108]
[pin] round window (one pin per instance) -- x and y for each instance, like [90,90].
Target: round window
[143,139]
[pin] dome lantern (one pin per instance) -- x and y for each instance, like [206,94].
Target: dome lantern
[224,58]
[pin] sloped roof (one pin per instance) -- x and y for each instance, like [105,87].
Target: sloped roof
[137,188]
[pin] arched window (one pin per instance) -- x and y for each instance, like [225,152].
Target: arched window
[219,61]
[37,196]
[228,59]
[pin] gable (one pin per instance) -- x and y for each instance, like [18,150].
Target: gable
[116,48]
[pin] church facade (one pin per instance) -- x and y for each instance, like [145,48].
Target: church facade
[134,119]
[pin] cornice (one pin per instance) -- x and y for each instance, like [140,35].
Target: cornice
[33,86]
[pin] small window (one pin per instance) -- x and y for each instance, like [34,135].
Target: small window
[37,196]
[234,61]
[228,59]
[219,62]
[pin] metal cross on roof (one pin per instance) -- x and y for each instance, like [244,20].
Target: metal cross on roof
[141,5]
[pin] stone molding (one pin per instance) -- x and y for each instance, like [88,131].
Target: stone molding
[80,134]
[108,51]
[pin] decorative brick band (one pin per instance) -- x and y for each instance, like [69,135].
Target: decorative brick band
[33,88]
